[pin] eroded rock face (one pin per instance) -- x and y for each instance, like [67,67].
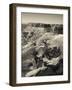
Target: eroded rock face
[51,49]
[43,49]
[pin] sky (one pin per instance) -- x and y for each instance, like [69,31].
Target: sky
[41,18]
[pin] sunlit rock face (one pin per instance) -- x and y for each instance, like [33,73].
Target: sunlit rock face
[51,50]
[42,49]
